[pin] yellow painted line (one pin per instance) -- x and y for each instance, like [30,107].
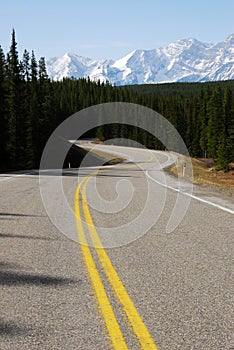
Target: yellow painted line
[112,325]
[138,326]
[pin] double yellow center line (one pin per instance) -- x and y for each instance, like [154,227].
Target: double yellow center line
[117,339]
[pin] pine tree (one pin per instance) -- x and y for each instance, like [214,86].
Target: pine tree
[25,64]
[33,132]
[222,159]
[45,104]
[16,127]
[228,111]
[215,122]
[3,120]
[204,97]
[26,73]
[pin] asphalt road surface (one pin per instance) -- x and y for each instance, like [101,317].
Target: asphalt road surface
[137,285]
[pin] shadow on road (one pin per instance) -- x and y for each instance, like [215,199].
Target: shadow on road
[11,235]
[75,172]
[15,214]
[10,329]
[15,278]
[81,172]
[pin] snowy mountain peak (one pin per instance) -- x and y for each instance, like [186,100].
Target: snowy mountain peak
[183,60]
[230,39]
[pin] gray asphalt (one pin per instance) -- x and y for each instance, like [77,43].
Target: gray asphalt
[180,282]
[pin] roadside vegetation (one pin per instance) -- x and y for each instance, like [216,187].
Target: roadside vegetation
[206,172]
[32,106]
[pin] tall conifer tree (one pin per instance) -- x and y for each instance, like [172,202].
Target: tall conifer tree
[3,110]
[16,127]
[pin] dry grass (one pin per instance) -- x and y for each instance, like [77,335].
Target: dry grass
[109,158]
[96,142]
[204,173]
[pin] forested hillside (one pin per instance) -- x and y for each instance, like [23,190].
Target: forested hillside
[31,106]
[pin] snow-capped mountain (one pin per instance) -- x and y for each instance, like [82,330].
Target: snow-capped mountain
[184,60]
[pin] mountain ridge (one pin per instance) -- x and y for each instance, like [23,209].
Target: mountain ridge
[185,60]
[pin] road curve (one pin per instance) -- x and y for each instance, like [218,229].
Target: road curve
[147,288]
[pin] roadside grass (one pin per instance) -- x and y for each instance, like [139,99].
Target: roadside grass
[109,159]
[204,172]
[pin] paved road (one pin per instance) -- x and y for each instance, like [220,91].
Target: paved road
[152,290]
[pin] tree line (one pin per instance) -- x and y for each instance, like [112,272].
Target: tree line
[32,106]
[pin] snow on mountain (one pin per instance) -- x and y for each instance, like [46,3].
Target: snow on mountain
[184,60]
[71,65]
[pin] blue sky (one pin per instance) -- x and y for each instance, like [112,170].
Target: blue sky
[111,29]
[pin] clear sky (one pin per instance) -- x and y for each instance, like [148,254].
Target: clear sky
[111,29]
